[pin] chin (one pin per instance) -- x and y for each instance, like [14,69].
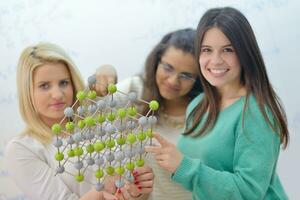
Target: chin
[215,83]
[59,115]
[169,96]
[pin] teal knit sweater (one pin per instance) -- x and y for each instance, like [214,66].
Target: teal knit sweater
[231,161]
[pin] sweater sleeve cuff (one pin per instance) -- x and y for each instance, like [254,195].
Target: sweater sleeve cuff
[183,172]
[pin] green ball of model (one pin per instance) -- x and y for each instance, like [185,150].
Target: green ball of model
[153,105]
[56,129]
[141,136]
[70,126]
[132,111]
[140,162]
[112,88]
[78,151]
[149,133]
[79,177]
[81,124]
[110,170]
[81,95]
[110,143]
[71,153]
[99,173]
[92,94]
[130,166]
[99,146]
[122,113]
[111,117]
[90,148]
[120,170]
[131,138]
[101,118]
[121,140]
[89,121]
[59,156]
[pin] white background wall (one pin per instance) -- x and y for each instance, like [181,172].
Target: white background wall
[122,32]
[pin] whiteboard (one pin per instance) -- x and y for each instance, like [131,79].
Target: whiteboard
[122,32]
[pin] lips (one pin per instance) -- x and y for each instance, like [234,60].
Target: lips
[170,88]
[58,105]
[218,72]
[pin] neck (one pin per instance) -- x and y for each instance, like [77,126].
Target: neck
[230,94]
[50,122]
[175,107]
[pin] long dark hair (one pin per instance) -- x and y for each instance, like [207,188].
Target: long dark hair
[182,39]
[253,72]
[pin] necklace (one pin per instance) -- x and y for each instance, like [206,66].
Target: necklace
[171,121]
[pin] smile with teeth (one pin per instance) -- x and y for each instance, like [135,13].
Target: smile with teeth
[218,71]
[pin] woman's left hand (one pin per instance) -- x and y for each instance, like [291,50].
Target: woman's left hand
[142,184]
[166,155]
[143,181]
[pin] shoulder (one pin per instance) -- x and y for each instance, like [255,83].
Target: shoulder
[24,145]
[19,142]
[252,103]
[253,110]
[25,140]
[134,83]
[128,82]
[255,121]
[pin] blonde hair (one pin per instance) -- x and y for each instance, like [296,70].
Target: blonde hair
[31,58]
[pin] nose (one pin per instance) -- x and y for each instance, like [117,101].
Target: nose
[57,93]
[173,79]
[217,59]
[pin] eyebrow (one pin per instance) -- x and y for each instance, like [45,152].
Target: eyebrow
[165,63]
[64,79]
[227,45]
[187,73]
[42,82]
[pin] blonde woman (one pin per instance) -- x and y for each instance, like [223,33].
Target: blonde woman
[47,82]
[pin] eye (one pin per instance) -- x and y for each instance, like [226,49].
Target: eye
[64,83]
[167,67]
[228,49]
[186,76]
[44,86]
[205,49]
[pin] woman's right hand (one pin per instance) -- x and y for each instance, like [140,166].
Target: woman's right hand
[108,196]
[105,75]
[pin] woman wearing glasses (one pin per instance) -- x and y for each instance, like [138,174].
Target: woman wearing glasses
[171,78]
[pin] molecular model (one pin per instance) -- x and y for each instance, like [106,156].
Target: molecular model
[103,136]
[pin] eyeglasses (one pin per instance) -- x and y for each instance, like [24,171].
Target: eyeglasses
[170,71]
